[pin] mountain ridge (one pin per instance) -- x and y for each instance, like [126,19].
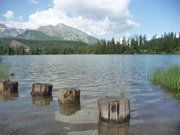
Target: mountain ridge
[9,32]
[50,32]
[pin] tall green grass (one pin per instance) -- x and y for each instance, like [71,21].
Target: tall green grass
[168,78]
[3,71]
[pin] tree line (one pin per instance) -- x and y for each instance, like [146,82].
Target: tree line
[139,44]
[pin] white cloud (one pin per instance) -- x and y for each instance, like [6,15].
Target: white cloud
[98,9]
[35,1]
[9,15]
[20,18]
[95,17]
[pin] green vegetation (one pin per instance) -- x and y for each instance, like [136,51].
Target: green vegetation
[3,71]
[168,78]
[168,43]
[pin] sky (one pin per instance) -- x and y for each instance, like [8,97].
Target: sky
[100,18]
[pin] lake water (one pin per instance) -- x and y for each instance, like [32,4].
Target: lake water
[153,111]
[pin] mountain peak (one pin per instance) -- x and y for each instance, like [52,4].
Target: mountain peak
[60,25]
[64,32]
[2,25]
[9,32]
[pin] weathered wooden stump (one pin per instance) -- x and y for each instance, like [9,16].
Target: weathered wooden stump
[69,96]
[114,110]
[41,101]
[109,129]
[69,109]
[7,86]
[41,89]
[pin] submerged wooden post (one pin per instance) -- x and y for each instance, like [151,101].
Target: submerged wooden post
[69,96]
[114,110]
[7,86]
[41,89]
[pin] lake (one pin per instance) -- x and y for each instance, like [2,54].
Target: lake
[153,111]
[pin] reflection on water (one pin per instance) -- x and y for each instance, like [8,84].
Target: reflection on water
[8,96]
[105,129]
[109,129]
[41,101]
[88,132]
[82,116]
[69,109]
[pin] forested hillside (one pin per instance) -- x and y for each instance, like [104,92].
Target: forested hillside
[166,44]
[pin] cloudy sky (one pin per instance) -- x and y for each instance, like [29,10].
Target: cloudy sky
[100,18]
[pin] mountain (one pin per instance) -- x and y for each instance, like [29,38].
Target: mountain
[58,32]
[35,35]
[64,32]
[9,32]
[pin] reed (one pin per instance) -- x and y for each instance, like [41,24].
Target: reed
[168,78]
[3,71]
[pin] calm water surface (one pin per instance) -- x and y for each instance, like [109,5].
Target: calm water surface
[153,111]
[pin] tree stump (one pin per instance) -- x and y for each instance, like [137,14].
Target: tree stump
[69,96]
[114,110]
[7,86]
[41,89]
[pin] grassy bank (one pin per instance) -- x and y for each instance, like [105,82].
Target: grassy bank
[168,78]
[3,71]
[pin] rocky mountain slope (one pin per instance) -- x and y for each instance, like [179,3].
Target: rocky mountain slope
[50,32]
[9,32]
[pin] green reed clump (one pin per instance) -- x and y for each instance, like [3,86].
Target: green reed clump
[3,71]
[168,78]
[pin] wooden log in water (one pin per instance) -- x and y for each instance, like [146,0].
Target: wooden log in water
[2,83]
[41,89]
[69,96]
[114,110]
[7,86]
